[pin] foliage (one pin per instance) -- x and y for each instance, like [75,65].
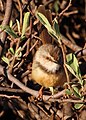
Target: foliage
[53,31]
[72,62]
[24,26]
[8,29]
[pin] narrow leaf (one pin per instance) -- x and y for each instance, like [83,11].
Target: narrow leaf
[73,62]
[5,59]
[74,66]
[46,23]
[9,30]
[17,51]
[11,50]
[18,25]
[76,91]
[11,23]
[56,27]
[56,6]
[43,19]
[78,105]
[70,69]
[25,23]
[68,92]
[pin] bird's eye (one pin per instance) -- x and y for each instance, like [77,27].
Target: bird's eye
[47,58]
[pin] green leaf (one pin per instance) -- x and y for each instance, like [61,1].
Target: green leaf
[11,23]
[78,105]
[9,30]
[70,69]
[46,23]
[22,38]
[73,62]
[25,23]
[52,33]
[56,27]
[18,52]
[76,91]
[5,59]
[56,6]
[68,92]
[18,25]
[11,50]
[73,66]
[43,20]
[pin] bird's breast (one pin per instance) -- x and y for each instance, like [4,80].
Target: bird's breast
[46,79]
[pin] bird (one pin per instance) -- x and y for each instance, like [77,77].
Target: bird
[47,66]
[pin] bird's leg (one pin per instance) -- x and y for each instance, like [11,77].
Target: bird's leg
[40,93]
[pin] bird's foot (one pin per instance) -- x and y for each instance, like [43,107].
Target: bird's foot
[40,94]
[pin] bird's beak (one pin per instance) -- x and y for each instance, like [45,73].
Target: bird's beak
[52,59]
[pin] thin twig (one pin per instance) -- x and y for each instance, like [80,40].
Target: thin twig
[81,53]
[71,100]
[6,21]
[9,97]
[20,12]
[14,58]
[19,65]
[69,44]
[66,72]
[34,45]
[69,5]
[48,2]
[21,85]
[70,13]
[10,90]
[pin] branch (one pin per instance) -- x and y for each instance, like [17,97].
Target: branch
[26,89]
[70,44]
[5,22]
[31,91]
[69,5]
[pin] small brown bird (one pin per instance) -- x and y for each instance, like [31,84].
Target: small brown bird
[47,67]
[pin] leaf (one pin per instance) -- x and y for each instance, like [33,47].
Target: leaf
[25,23]
[18,25]
[18,52]
[11,50]
[46,23]
[5,59]
[9,30]
[52,33]
[78,105]
[70,69]
[56,6]
[11,23]
[73,62]
[22,38]
[56,27]
[76,91]
[68,92]
[73,66]
[43,20]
